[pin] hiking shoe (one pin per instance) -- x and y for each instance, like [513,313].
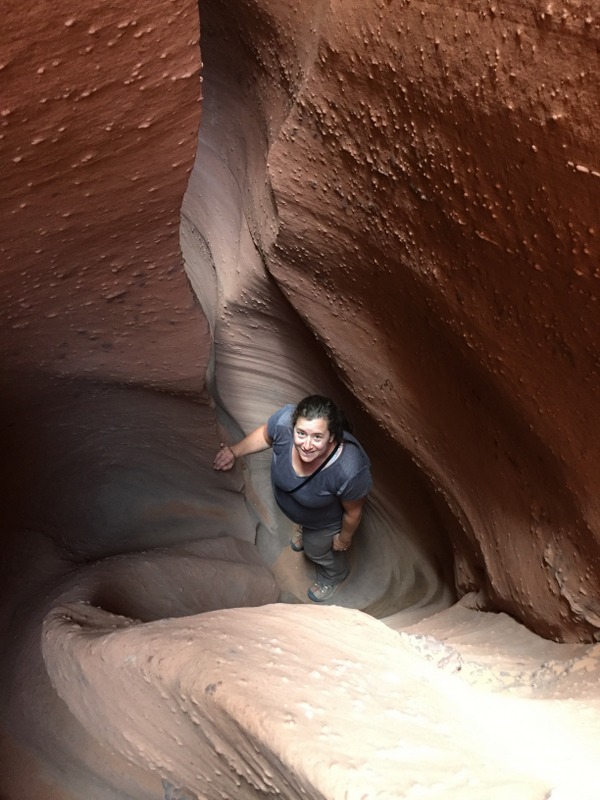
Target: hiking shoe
[321,591]
[296,542]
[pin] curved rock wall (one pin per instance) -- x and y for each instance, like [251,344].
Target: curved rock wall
[264,355]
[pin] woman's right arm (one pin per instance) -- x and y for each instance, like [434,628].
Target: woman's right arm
[253,443]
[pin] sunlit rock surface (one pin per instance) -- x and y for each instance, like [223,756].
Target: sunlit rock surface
[215,705]
[392,203]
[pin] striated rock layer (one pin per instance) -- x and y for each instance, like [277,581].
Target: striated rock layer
[264,355]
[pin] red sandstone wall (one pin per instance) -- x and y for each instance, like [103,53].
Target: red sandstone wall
[98,127]
[437,187]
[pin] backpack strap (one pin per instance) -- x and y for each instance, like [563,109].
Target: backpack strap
[316,472]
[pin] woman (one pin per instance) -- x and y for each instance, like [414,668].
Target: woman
[321,477]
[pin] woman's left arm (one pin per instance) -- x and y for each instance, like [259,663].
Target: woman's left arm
[350,520]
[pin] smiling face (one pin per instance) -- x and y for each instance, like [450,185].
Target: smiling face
[312,439]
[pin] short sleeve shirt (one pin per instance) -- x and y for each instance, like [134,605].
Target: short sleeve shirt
[317,505]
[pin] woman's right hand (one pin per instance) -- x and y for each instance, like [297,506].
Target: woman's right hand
[225,458]
[253,443]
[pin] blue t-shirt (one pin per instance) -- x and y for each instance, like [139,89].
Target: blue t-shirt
[317,505]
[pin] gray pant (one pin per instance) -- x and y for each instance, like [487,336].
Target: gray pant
[332,565]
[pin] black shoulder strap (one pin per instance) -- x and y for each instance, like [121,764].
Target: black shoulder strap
[316,472]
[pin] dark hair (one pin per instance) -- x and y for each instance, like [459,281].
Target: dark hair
[315,406]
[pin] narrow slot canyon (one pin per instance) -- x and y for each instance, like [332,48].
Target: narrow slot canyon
[210,212]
